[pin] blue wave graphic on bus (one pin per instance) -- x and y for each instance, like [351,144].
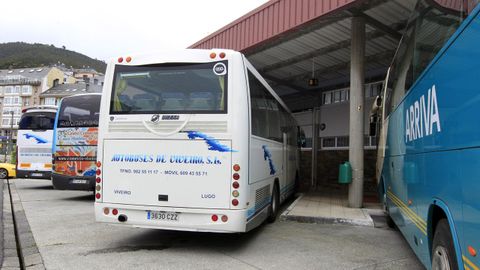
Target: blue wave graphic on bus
[213,144]
[38,139]
[90,172]
[268,155]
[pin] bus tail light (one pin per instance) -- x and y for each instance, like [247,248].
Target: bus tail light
[128,59]
[98,180]
[236,167]
[120,59]
[234,202]
[98,196]
[235,193]
[213,55]
[99,164]
[98,188]
[224,218]
[115,212]
[236,176]
[236,184]
[222,55]
[106,211]
[214,218]
[98,172]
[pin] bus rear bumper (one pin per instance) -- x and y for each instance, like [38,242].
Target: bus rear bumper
[34,174]
[64,182]
[169,218]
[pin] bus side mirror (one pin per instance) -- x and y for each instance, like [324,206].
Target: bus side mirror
[374,113]
[373,126]
[302,141]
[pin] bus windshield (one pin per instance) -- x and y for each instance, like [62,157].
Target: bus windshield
[37,121]
[79,111]
[170,88]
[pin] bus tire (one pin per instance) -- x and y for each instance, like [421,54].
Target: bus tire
[3,173]
[388,218]
[389,221]
[443,252]
[274,205]
[296,188]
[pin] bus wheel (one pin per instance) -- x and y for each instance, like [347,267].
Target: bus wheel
[390,222]
[3,173]
[296,187]
[273,209]
[443,255]
[388,218]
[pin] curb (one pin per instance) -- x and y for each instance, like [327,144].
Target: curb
[286,216]
[17,233]
[10,253]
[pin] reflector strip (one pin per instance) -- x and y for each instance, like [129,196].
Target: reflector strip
[469,263]
[417,220]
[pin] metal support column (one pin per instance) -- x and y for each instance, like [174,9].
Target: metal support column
[315,147]
[357,110]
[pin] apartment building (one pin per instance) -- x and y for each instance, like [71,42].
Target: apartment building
[20,88]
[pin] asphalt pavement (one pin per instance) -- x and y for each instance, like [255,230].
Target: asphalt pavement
[62,224]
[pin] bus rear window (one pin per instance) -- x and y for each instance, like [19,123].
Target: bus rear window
[79,111]
[170,88]
[37,121]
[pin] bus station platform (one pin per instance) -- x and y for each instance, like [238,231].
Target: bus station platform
[331,207]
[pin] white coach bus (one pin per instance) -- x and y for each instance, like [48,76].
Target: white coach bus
[34,142]
[193,140]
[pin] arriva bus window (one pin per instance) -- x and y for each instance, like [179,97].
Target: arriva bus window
[429,27]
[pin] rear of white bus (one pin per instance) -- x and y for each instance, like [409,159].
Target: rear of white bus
[34,142]
[173,142]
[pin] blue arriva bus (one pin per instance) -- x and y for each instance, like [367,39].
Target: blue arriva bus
[429,151]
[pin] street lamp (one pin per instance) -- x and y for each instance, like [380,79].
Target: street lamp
[10,142]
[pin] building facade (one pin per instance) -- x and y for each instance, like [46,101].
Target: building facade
[53,95]
[21,88]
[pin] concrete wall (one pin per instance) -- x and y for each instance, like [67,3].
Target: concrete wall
[327,169]
[336,118]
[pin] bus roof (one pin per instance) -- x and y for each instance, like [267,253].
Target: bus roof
[37,108]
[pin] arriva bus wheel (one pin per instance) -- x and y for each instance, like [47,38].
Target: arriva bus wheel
[443,254]
[390,223]
[273,209]
[388,218]
[3,173]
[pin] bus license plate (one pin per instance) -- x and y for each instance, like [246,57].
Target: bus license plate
[37,174]
[79,181]
[159,215]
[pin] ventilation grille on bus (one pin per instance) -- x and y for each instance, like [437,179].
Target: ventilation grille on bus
[262,197]
[167,126]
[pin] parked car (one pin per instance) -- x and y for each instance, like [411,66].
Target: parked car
[7,170]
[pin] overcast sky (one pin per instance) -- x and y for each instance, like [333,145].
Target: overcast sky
[106,29]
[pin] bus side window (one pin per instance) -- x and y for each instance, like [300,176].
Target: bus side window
[417,49]
[258,106]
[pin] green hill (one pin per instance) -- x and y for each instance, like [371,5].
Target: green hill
[20,55]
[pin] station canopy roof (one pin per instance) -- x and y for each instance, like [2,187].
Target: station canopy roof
[289,41]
